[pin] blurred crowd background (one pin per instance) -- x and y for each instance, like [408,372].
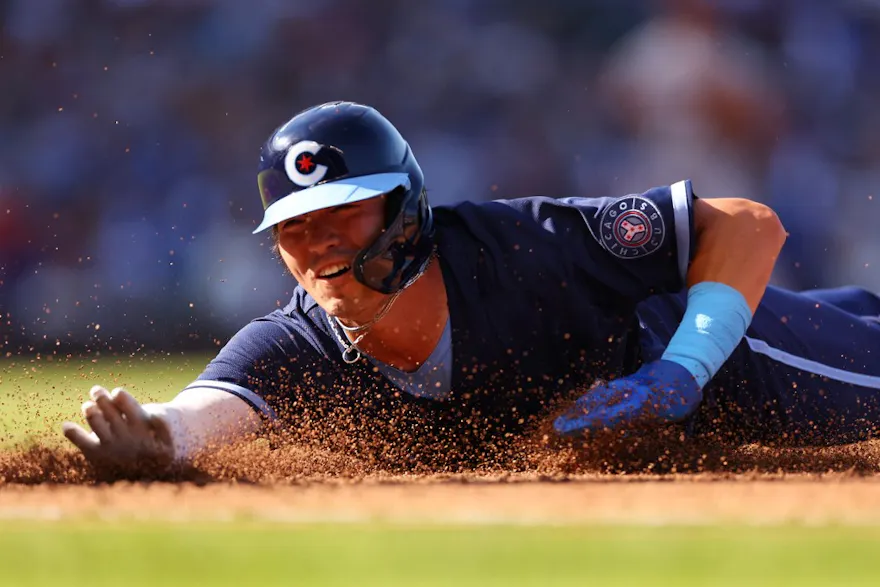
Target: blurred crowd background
[130,132]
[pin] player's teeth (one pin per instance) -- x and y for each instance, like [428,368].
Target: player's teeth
[333,269]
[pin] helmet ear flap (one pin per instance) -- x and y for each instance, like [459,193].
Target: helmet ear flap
[417,211]
[403,249]
[394,202]
[426,215]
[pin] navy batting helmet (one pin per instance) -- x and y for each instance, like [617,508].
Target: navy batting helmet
[342,152]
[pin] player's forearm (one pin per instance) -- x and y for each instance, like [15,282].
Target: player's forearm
[738,242]
[203,418]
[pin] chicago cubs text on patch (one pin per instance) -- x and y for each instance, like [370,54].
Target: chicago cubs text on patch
[632,227]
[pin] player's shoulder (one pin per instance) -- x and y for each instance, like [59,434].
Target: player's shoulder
[493,214]
[295,325]
[500,243]
[547,214]
[520,219]
[522,209]
[495,207]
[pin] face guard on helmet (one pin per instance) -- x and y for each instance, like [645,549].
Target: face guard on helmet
[339,153]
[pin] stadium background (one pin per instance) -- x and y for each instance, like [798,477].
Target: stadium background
[130,130]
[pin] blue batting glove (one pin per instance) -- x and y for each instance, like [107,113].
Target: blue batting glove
[661,390]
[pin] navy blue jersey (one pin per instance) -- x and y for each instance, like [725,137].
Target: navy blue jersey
[541,292]
[545,296]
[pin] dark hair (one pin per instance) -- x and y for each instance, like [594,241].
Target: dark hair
[276,249]
[276,240]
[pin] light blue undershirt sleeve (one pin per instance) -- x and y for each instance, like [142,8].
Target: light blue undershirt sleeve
[714,323]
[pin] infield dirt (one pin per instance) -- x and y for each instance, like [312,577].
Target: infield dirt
[556,485]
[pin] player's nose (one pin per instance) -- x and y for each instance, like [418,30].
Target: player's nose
[322,236]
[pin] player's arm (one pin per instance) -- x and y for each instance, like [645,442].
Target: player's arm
[736,244]
[128,438]
[229,401]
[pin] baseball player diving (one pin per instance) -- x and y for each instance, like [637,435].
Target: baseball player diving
[651,310]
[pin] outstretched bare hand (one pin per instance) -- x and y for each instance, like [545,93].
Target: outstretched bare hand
[126,440]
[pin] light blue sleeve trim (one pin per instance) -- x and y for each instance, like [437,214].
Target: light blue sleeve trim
[682,193]
[256,402]
[714,323]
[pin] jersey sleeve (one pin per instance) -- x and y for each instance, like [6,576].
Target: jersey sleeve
[261,364]
[635,245]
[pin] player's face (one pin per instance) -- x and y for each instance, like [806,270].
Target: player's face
[319,250]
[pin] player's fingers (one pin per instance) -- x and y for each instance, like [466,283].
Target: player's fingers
[131,409]
[95,391]
[95,417]
[84,441]
[111,413]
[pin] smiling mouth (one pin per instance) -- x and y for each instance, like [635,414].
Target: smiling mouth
[334,271]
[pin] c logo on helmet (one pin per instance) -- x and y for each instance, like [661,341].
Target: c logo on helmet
[300,165]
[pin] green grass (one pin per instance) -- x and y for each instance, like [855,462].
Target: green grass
[247,553]
[37,394]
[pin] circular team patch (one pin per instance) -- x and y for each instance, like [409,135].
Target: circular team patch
[632,227]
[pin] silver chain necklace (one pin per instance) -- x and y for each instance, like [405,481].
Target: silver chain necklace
[351,353]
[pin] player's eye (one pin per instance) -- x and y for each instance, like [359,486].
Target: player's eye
[293,224]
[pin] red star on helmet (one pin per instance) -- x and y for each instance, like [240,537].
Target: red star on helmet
[304,163]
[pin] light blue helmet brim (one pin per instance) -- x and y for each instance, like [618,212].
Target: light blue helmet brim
[328,195]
